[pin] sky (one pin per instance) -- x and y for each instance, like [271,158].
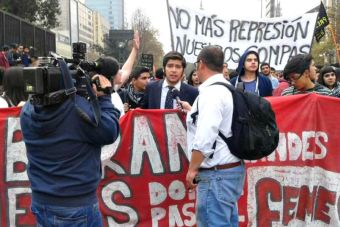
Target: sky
[156,11]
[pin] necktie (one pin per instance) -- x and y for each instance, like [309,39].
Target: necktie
[169,102]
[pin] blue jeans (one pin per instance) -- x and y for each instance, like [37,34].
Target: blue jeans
[217,195]
[53,216]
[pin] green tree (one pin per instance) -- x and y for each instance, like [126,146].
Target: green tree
[48,12]
[325,51]
[40,12]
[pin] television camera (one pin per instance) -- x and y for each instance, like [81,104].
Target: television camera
[46,86]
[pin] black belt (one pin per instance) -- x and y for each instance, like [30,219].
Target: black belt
[225,166]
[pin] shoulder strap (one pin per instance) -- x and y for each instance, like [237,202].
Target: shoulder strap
[194,115]
[71,90]
[231,89]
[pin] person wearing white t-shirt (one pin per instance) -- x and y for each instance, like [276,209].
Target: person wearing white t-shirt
[124,74]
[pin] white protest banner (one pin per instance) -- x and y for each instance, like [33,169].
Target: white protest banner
[275,39]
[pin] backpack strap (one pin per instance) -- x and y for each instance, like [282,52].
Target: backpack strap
[195,114]
[220,134]
[194,119]
[223,137]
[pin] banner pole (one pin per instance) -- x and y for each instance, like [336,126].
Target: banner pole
[315,25]
[171,33]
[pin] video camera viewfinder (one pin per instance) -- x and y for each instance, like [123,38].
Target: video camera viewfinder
[78,52]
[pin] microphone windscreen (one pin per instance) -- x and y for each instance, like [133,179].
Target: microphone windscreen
[107,66]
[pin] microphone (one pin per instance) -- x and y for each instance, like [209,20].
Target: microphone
[175,95]
[106,66]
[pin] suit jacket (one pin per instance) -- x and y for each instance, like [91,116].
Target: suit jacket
[153,93]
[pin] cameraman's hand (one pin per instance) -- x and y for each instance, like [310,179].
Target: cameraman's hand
[104,83]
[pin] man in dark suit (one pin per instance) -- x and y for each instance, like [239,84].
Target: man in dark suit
[157,93]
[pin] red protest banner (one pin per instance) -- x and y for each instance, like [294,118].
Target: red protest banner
[15,190]
[144,181]
[299,183]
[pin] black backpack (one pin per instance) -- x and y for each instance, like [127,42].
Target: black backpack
[255,133]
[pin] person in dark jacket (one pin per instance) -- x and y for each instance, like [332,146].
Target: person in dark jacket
[248,74]
[63,151]
[159,95]
[133,96]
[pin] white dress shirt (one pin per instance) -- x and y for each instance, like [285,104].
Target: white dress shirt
[215,105]
[3,103]
[117,102]
[165,89]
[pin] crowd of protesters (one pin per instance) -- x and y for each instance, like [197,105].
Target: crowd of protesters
[170,88]
[299,76]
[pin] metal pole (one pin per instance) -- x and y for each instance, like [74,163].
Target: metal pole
[330,27]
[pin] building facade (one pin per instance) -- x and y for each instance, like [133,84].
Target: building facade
[101,28]
[79,23]
[271,8]
[85,19]
[112,10]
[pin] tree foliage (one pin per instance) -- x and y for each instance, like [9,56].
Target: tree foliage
[325,51]
[149,41]
[40,12]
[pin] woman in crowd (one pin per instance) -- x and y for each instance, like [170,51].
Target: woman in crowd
[328,78]
[13,86]
[193,79]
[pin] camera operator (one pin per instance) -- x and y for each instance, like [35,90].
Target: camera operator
[63,150]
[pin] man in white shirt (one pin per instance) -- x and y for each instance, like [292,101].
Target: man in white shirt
[220,175]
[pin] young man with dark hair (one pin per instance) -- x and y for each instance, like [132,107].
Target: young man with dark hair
[301,71]
[159,95]
[219,175]
[159,74]
[226,71]
[266,71]
[248,74]
[12,54]
[133,96]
